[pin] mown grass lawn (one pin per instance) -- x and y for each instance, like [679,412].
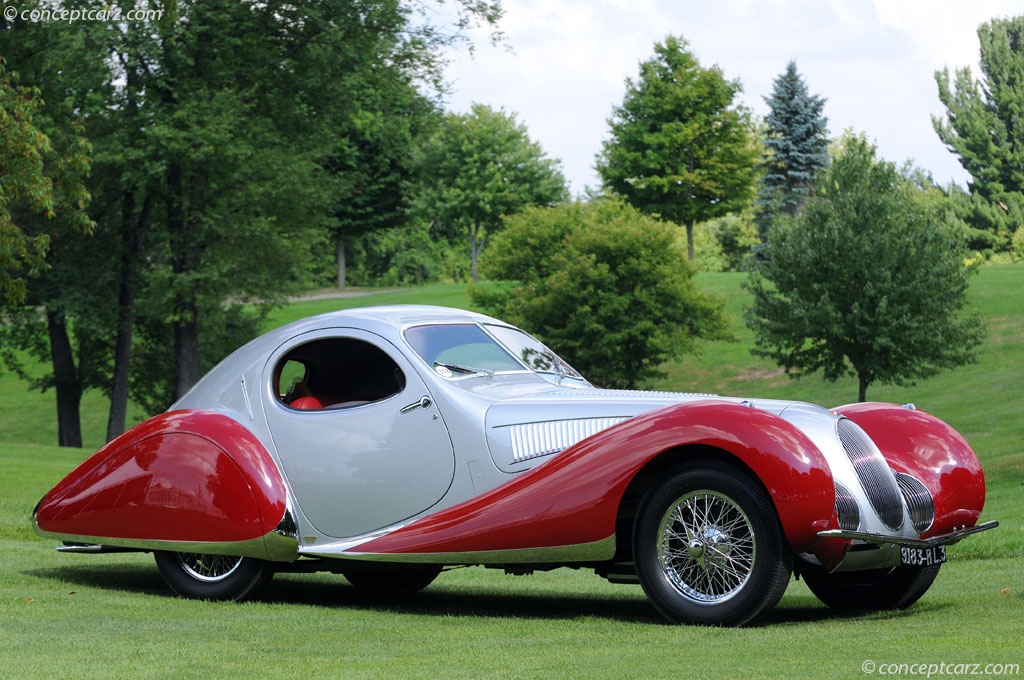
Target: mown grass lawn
[84,616]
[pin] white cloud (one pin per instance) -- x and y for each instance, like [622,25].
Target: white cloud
[872,60]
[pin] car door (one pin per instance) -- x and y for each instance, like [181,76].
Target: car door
[363,456]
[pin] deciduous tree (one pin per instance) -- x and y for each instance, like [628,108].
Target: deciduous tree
[479,167]
[866,280]
[680,147]
[607,287]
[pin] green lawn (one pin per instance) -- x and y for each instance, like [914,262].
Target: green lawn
[82,616]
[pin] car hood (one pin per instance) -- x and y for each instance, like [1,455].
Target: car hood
[523,428]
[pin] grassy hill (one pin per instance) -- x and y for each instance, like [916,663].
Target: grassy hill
[110,615]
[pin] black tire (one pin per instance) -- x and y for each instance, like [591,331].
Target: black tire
[709,549]
[392,578]
[213,577]
[874,590]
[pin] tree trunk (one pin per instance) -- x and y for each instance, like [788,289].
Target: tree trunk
[184,261]
[132,231]
[475,244]
[689,241]
[186,352]
[342,265]
[862,388]
[66,382]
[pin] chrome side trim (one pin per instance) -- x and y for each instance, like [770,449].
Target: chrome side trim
[944,539]
[533,440]
[597,551]
[274,547]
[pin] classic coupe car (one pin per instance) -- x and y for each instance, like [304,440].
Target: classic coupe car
[388,443]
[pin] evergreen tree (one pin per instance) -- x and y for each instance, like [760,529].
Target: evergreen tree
[796,148]
[983,126]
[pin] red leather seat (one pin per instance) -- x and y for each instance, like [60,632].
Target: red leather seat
[309,403]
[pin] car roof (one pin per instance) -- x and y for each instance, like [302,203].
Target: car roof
[392,316]
[386,321]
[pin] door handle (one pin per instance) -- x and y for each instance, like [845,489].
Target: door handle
[424,402]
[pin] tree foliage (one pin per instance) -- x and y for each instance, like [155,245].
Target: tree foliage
[865,281]
[796,149]
[680,148]
[607,287]
[42,173]
[984,129]
[479,167]
[227,138]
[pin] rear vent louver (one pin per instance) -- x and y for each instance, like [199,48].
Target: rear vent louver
[919,502]
[847,509]
[875,476]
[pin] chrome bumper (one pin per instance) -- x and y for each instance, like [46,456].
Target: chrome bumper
[944,539]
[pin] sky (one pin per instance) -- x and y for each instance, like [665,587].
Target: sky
[563,65]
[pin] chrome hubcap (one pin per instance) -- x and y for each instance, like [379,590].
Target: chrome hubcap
[706,546]
[208,568]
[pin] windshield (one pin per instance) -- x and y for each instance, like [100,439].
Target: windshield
[460,348]
[531,352]
[466,348]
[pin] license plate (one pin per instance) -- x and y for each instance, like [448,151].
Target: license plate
[922,557]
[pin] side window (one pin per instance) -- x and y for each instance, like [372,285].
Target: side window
[334,373]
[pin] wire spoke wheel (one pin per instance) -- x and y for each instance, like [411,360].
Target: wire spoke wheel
[208,568]
[707,546]
[213,577]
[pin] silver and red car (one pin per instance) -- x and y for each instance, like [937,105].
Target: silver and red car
[388,443]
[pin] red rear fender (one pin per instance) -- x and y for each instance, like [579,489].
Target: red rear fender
[195,476]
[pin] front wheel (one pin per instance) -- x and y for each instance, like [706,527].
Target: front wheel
[708,547]
[874,590]
[213,577]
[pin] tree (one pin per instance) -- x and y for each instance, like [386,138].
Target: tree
[372,163]
[607,287]
[983,125]
[865,281]
[44,165]
[796,149]
[214,128]
[479,167]
[41,184]
[679,147]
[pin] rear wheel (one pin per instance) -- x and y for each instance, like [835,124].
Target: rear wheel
[708,547]
[874,590]
[393,578]
[213,577]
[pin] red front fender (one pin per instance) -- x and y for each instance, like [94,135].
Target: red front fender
[195,476]
[574,498]
[921,445]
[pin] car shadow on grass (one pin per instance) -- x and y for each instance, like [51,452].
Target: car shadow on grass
[485,601]
[141,579]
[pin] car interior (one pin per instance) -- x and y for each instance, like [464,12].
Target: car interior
[337,373]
